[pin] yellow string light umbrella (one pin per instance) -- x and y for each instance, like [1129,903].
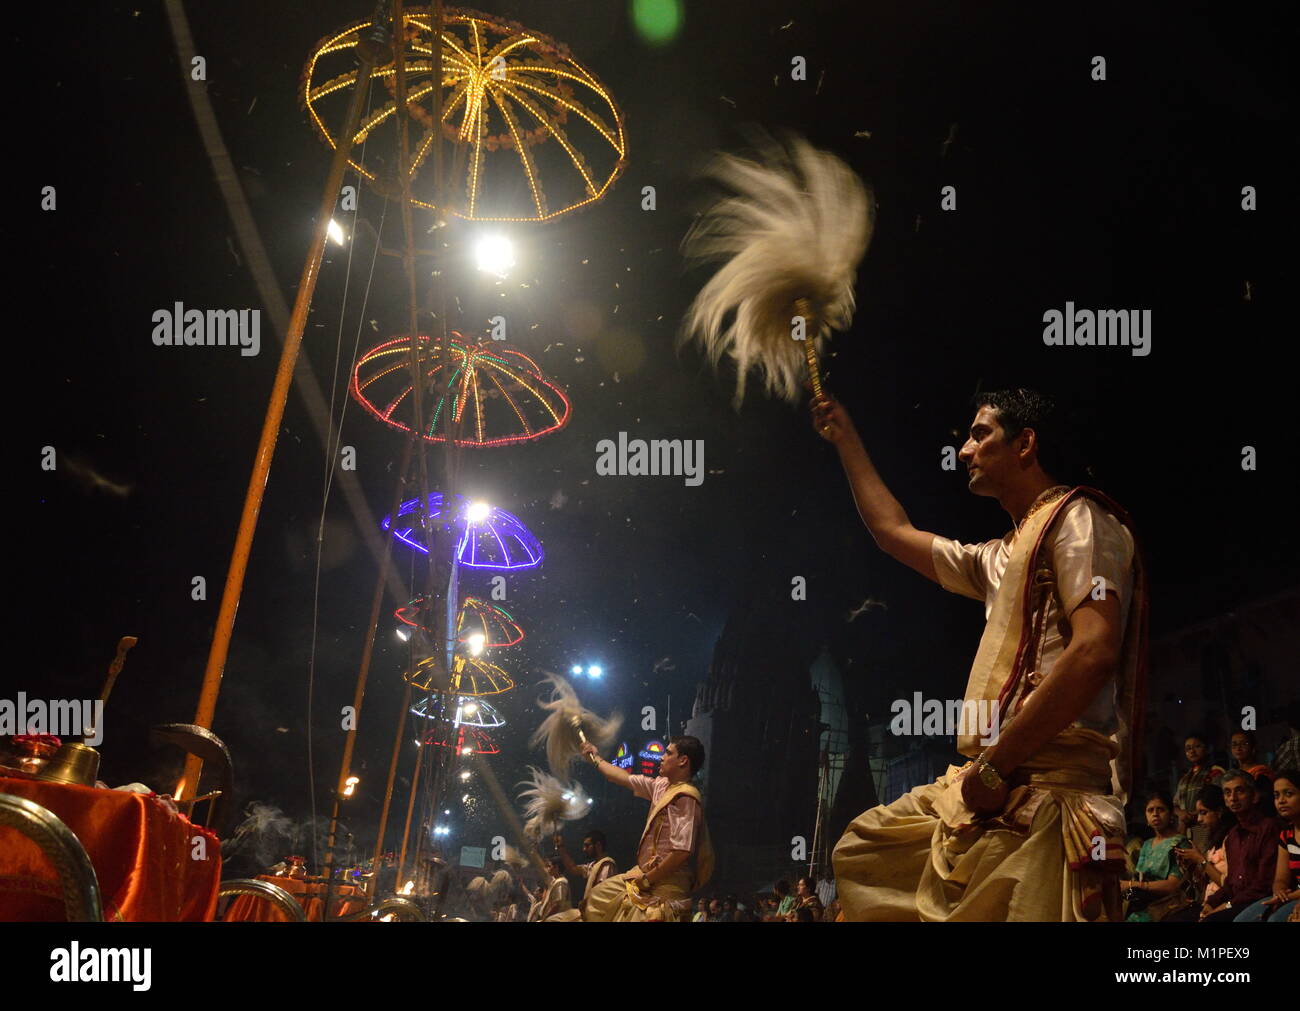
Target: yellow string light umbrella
[469,676]
[541,135]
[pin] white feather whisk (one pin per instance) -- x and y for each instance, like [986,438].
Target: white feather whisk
[791,234]
[476,893]
[513,858]
[568,724]
[499,888]
[547,802]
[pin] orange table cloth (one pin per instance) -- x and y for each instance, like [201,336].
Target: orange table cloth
[149,866]
[348,899]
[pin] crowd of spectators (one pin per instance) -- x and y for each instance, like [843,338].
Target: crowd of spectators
[811,900]
[1223,845]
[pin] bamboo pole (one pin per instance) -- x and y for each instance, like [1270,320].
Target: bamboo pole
[392,770]
[410,805]
[270,431]
[363,673]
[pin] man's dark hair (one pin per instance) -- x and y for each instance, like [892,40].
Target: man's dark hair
[597,837]
[692,749]
[1020,409]
[1242,775]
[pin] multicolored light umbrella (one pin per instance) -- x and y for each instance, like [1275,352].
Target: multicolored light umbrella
[479,623]
[536,134]
[490,538]
[497,396]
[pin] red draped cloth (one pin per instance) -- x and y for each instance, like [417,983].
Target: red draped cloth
[347,899]
[143,852]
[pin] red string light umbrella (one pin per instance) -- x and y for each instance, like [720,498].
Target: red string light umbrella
[496,395]
[465,739]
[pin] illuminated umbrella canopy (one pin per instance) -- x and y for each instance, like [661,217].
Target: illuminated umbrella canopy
[498,396]
[479,625]
[494,624]
[536,134]
[490,538]
[465,710]
[465,739]
[469,676]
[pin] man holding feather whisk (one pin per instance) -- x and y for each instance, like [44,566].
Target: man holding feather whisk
[1032,828]
[674,856]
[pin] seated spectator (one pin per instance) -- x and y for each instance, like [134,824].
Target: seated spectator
[1159,878]
[701,912]
[1279,906]
[1287,755]
[805,896]
[786,901]
[1252,852]
[826,887]
[1208,867]
[1244,747]
[1202,773]
[715,911]
[832,914]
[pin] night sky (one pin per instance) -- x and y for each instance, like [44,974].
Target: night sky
[1117,194]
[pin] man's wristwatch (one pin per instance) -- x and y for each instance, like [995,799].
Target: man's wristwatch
[988,775]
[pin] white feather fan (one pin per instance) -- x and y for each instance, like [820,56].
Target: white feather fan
[559,732]
[796,224]
[547,802]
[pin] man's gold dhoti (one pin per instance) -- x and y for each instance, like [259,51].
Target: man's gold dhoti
[1052,854]
[612,902]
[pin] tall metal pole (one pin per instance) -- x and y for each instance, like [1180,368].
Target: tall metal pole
[230,594]
[438,339]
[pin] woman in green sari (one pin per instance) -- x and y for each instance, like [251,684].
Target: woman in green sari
[1158,873]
